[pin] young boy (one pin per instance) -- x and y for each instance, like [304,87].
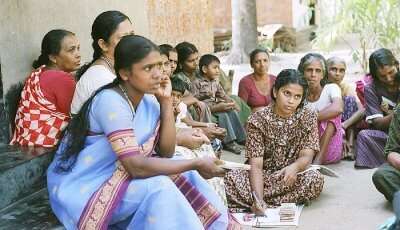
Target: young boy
[182,121]
[209,90]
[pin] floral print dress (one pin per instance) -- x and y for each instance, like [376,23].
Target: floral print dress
[278,141]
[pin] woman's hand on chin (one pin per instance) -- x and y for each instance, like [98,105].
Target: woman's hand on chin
[164,92]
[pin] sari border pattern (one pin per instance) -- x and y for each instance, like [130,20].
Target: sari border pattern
[97,212]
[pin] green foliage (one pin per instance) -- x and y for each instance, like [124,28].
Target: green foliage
[377,22]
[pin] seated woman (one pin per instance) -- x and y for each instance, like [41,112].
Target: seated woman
[107,29]
[382,92]
[255,88]
[326,100]
[282,140]
[43,111]
[353,111]
[114,156]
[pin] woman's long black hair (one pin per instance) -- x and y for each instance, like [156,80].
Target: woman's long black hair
[103,27]
[131,49]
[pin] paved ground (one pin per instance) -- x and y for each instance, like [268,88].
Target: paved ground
[348,202]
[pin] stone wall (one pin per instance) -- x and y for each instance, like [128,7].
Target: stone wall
[174,21]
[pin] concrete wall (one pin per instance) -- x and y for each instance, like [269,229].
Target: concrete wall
[25,22]
[268,12]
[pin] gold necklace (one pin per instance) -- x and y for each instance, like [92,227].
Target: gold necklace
[127,98]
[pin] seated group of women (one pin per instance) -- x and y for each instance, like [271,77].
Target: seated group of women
[353,119]
[132,152]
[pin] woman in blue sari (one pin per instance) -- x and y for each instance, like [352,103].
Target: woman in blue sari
[110,169]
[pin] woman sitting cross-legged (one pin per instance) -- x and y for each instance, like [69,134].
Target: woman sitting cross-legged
[43,111]
[282,140]
[114,152]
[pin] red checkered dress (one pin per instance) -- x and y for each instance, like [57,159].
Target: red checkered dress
[38,123]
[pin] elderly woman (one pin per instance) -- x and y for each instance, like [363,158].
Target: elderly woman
[326,100]
[381,95]
[255,88]
[353,111]
[282,141]
[43,111]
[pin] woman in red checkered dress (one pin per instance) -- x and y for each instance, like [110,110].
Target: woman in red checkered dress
[43,111]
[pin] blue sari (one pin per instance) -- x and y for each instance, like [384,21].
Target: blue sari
[98,193]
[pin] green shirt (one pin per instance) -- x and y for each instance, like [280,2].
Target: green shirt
[393,141]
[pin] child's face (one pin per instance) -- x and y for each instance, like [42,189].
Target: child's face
[336,72]
[176,98]
[211,71]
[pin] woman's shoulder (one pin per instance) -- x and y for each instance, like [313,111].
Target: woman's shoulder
[96,73]
[56,75]
[53,80]
[331,86]
[108,97]
[306,112]
[151,99]
[306,116]
[332,89]
[246,80]
[261,116]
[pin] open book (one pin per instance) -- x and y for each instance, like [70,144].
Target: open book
[272,218]
[322,169]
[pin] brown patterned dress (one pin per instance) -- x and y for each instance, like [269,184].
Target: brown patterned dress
[278,140]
